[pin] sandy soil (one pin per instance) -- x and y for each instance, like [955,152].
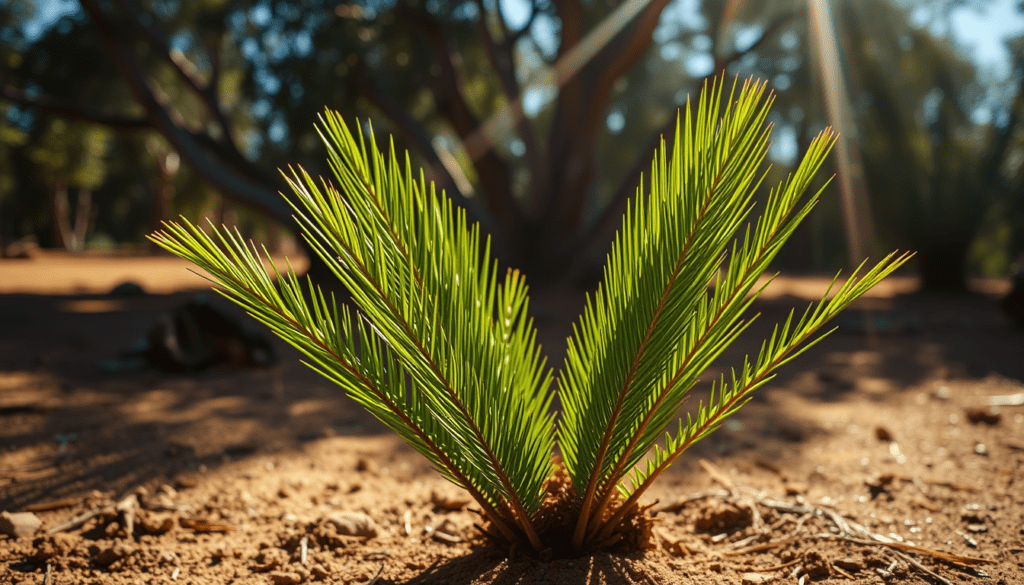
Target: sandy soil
[876,457]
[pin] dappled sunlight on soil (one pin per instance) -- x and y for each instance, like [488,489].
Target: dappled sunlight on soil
[240,475]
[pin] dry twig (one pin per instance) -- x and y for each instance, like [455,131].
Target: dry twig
[845,529]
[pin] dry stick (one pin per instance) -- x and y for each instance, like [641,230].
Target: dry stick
[79,520]
[847,575]
[923,568]
[377,576]
[903,547]
[53,505]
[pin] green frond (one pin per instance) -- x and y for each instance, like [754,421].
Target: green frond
[442,349]
[421,276]
[679,277]
[788,340]
[324,332]
[669,250]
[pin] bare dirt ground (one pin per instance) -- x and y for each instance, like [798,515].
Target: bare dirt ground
[875,458]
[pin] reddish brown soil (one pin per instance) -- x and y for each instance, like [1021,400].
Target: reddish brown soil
[891,431]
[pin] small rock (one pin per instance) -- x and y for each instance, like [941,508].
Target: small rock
[285,578]
[108,555]
[757,578]
[977,528]
[156,523]
[883,434]
[353,524]
[981,449]
[320,573]
[448,501]
[19,524]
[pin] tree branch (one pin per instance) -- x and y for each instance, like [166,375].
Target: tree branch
[206,91]
[229,182]
[492,172]
[68,109]
[503,62]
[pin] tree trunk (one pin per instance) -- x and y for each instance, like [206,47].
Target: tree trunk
[71,234]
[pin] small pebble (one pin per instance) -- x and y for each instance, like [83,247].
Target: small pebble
[285,578]
[19,524]
[353,524]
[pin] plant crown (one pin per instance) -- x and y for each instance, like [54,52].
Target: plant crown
[441,349]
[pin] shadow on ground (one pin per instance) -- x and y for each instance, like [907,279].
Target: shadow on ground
[68,427]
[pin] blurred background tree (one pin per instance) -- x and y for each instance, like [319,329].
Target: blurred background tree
[537,116]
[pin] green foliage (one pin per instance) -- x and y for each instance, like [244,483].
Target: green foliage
[441,348]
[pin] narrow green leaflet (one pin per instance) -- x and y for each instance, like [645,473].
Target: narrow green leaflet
[787,341]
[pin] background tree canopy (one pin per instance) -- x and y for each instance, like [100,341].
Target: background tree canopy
[538,116]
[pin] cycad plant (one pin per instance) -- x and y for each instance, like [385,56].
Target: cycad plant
[440,347]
